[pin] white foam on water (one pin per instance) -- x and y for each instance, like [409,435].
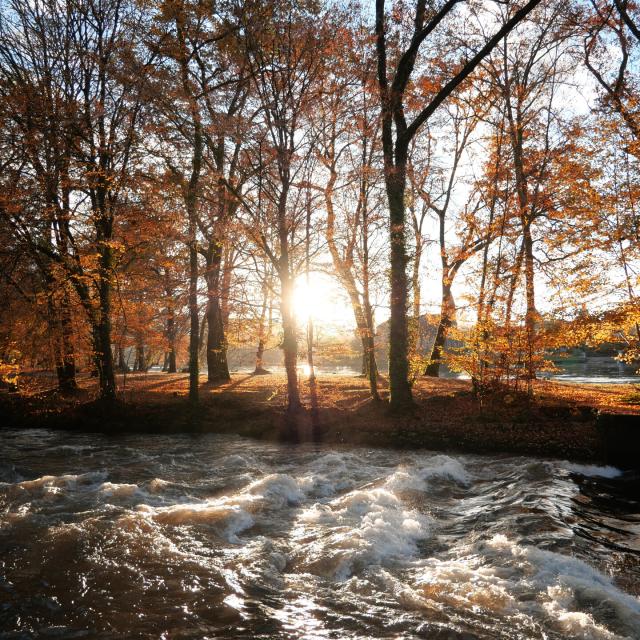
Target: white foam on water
[278,489]
[330,474]
[417,478]
[233,514]
[158,484]
[593,470]
[53,484]
[359,529]
[526,585]
[261,558]
[367,526]
[465,583]
[110,489]
[566,585]
[229,519]
[140,531]
[577,623]
[332,459]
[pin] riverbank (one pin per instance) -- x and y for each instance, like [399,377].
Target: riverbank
[599,423]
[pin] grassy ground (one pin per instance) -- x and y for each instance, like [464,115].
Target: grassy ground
[561,420]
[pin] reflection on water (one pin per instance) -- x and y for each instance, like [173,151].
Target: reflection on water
[596,371]
[590,371]
[211,536]
[304,370]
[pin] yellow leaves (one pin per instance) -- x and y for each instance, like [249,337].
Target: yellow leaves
[96,178]
[428,84]
[494,355]
[90,265]
[616,325]
[9,373]
[114,245]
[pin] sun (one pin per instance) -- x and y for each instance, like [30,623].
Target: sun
[322,300]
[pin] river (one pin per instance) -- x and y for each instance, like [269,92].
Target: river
[594,370]
[220,537]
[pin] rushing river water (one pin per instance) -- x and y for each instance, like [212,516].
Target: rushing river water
[220,537]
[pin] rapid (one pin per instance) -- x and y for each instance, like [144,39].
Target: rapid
[207,536]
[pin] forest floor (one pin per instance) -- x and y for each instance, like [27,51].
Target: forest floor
[596,422]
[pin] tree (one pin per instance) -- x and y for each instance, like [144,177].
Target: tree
[200,94]
[393,81]
[284,47]
[346,145]
[435,187]
[81,136]
[527,75]
[606,27]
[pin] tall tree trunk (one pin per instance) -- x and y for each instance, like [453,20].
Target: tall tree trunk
[260,370]
[343,268]
[225,288]
[433,368]
[369,347]
[171,338]
[171,324]
[262,333]
[483,312]
[517,136]
[447,315]
[287,286]
[103,356]
[508,313]
[122,365]
[400,397]
[190,194]
[312,373]
[194,320]
[217,366]
[531,313]
[415,281]
[55,341]
[289,340]
[364,369]
[416,327]
[203,330]
[515,276]
[141,364]
[362,326]
[67,371]
[172,365]
[102,334]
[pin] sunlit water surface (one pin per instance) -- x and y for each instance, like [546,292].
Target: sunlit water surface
[596,371]
[219,537]
[589,371]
